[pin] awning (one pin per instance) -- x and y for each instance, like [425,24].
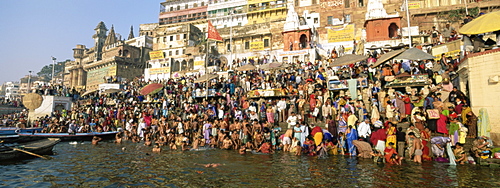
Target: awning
[347,59]
[387,56]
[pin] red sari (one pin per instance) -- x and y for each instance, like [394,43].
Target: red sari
[425,150]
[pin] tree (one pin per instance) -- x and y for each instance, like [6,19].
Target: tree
[45,74]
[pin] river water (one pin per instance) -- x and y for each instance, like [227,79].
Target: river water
[109,165]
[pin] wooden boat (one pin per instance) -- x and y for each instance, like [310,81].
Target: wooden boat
[20,151]
[15,130]
[16,139]
[72,137]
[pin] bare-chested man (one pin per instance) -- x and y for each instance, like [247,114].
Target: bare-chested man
[227,143]
[417,146]
[96,140]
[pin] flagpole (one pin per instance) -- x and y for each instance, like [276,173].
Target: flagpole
[408,19]
[206,68]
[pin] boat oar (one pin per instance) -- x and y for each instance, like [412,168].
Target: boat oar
[31,153]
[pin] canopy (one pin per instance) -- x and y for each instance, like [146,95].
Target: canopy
[482,24]
[151,89]
[387,56]
[414,54]
[348,59]
[206,77]
[107,91]
[88,92]
[246,67]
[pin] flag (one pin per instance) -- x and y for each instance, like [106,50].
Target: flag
[212,32]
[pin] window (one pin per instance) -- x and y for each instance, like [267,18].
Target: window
[361,3]
[186,7]
[164,39]
[171,38]
[195,5]
[178,7]
[176,52]
[178,37]
[266,43]
[347,3]
[247,45]
[348,18]
[330,20]
[202,3]
[169,53]
[185,36]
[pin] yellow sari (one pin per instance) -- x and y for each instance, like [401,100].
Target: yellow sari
[391,137]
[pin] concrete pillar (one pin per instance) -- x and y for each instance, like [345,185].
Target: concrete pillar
[80,77]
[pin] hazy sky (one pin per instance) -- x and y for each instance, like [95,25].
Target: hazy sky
[32,31]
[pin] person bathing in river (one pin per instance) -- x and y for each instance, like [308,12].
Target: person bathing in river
[96,140]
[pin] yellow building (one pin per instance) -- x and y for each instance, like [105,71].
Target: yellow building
[262,11]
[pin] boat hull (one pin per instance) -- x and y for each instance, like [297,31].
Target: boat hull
[72,137]
[14,130]
[40,147]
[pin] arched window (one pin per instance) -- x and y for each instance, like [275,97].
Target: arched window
[303,41]
[125,53]
[176,66]
[393,30]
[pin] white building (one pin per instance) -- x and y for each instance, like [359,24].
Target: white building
[12,90]
[228,13]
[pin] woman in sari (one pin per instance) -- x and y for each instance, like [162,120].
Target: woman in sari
[351,135]
[425,136]
[391,135]
[470,121]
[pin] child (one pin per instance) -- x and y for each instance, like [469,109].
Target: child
[391,156]
[341,143]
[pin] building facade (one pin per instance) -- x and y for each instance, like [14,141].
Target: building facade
[111,59]
[227,13]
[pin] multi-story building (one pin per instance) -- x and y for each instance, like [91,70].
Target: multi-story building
[178,12]
[264,11]
[227,13]
[111,58]
[12,90]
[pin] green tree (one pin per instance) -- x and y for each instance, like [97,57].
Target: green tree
[45,74]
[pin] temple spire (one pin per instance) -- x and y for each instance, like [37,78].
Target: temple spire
[131,34]
[111,39]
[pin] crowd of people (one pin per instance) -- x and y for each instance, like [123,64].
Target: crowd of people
[306,118]
[310,120]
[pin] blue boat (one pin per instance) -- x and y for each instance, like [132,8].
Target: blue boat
[15,130]
[72,136]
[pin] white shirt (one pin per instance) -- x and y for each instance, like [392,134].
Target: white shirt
[281,105]
[292,121]
[364,130]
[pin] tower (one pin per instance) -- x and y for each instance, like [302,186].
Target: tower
[111,39]
[131,34]
[99,39]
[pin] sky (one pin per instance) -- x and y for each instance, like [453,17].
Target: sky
[31,32]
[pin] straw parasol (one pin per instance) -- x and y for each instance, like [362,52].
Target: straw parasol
[88,92]
[348,59]
[482,24]
[414,54]
[108,91]
[246,67]
[387,56]
[206,77]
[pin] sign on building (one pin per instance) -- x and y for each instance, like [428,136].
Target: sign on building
[414,5]
[341,33]
[156,55]
[257,45]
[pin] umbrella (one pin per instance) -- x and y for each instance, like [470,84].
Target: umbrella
[482,24]
[246,67]
[151,89]
[88,92]
[387,56]
[108,91]
[206,77]
[414,54]
[348,59]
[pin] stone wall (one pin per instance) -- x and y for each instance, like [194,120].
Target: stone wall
[484,91]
